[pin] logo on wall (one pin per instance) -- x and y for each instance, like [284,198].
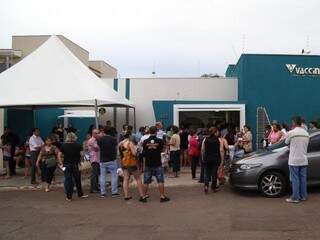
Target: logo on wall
[309,71]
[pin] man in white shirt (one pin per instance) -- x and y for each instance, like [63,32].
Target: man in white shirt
[35,144]
[140,147]
[160,133]
[298,138]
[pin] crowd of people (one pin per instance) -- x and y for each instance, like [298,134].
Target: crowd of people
[150,151]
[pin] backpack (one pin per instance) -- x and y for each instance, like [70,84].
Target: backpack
[128,159]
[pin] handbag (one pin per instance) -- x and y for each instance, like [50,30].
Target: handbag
[128,159]
[84,166]
[221,174]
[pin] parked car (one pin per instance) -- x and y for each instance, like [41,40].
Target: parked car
[268,171]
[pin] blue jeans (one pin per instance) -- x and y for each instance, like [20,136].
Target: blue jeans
[112,167]
[298,178]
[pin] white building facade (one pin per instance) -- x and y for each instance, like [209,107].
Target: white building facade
[187,94]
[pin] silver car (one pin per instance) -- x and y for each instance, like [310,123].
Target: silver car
[268,171]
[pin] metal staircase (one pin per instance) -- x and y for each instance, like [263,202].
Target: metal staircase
[262,121]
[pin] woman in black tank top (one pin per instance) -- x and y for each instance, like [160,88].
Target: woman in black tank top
[212,159]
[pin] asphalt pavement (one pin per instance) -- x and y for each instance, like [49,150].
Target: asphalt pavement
[228,214]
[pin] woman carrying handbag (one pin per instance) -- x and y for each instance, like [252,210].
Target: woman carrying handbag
[49,156]
[129,166]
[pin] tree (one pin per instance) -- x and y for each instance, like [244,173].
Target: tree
[210,75]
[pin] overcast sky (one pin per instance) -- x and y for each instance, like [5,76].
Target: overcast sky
[176,37]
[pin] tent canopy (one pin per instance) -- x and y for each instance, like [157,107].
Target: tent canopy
[52,76]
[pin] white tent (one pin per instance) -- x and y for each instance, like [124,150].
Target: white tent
[53,76]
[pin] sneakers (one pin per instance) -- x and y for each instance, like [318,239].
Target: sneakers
[84,196]
[68,199]
[127,198]
[290,200]
[103,196]
[164,199]
[303,199]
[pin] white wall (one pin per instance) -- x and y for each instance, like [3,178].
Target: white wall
[145,90]
[121,112]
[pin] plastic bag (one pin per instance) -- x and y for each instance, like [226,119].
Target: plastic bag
[221,174]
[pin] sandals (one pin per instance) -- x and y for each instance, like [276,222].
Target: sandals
[143,199]
[164,199]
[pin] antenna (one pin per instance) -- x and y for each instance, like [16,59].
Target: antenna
[307,49]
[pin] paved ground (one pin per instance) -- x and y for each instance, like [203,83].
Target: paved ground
[190,215]
[18,182]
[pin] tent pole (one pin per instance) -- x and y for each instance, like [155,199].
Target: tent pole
[134,119]
[127,116]
[34,117]
[115,109]
[96,112]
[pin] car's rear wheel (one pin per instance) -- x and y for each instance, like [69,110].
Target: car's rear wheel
[272,184]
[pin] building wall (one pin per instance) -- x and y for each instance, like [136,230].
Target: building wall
[29,43]
[264,80]
[143,91]
[103,70]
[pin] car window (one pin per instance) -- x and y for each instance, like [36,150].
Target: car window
[314,144]
[280,144]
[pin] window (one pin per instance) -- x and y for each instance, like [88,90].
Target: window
[314,144]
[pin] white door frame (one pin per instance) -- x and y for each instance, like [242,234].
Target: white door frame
[209,107]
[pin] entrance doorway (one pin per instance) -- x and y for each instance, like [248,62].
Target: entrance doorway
[203,115]
[202,119]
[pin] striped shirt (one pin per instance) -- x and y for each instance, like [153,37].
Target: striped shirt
[298,138]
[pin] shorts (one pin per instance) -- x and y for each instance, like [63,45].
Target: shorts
[130,170]
[6,159]
[149,172]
